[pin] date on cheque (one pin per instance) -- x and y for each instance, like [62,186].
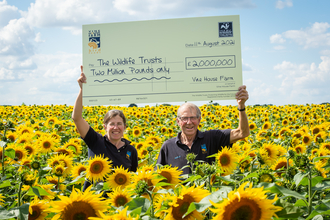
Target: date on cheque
[210,62]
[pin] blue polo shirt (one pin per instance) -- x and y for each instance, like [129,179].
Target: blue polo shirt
[206,143]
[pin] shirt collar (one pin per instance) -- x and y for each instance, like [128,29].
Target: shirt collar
[198,135]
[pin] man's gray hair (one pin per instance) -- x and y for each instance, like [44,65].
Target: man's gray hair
[190,106]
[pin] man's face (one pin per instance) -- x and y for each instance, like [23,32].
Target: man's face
[188,121]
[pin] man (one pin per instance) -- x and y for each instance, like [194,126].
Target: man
[202,144]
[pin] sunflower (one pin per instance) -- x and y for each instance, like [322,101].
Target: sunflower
[147,180]
[319,167]
[57,181]
[74,146]
[162,203]
[171,175]
[120,178]
[22,129]
[1,199]
[251,204]
[12,136]
[279,165]
[269,153]
[37,209]
[80,205]
[266,125]
[300,149]
[137,132]
[62,150]
[46,144]
[98,168]
[31,150]
[24,138]
[119,197]
[20,152]
[183,201]
[306,139]
[265,177]
[121,215]
[61,159]
[77,170]
[252,126]
[227,160]
[325,146]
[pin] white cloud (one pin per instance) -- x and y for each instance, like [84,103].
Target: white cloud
[54,81]
[305,83]
[73,13]
[15,38]
[7,13]
[282,4]
[313,37]
[277,39]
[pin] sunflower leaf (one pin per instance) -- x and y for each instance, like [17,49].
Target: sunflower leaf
[38,191]
[5,183]
[10,153]
[272,187]
[142,203]
[191,208]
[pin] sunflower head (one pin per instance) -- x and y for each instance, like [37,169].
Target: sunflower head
[265,177]
[35,165]
[98,168]
[301,161]
[119,197]
[250,203]
[119,178]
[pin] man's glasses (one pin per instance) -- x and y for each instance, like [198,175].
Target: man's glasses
[185,119]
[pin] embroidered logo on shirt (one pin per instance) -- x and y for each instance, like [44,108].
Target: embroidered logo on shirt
[204,149]
[177,157]
[128,155]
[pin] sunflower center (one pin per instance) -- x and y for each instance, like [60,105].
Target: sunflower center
[78,210]
[29,149]
[81,169]
[306,139]
[167,175]
[97,167]
[120,179]
[184,204]
[224,160]
[46,145]
[120,201]
[19,155]
[35,213]
[245,209]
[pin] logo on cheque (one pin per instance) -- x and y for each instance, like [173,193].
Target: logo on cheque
[94,41]
[226,29]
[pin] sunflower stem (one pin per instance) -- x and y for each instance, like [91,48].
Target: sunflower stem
[152,203]
[310,192]
[3,155]
[19,193]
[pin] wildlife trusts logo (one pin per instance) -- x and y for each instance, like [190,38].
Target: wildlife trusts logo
[94,41]
[226,29]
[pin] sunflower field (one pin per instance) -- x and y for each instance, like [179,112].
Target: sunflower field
[281,171]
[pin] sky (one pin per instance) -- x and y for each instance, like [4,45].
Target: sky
[285,45]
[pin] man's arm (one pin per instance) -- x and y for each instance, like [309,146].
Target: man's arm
[243,129]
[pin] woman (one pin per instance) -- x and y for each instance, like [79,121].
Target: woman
[112,145]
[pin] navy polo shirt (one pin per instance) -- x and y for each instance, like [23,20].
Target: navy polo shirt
[126,156]
[206,143]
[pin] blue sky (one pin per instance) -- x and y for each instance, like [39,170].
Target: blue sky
[285,45]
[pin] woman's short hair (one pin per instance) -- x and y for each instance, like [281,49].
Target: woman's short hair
[113,113]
